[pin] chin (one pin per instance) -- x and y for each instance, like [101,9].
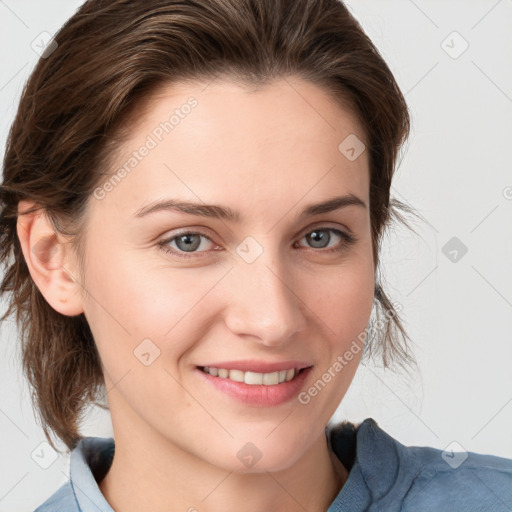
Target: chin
[260,455]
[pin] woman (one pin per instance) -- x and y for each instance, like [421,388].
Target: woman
[194,194]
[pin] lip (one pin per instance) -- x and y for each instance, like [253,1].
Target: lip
[252,365]
[258,395]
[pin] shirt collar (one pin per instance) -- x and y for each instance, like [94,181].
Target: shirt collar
[89,463]
[373,459]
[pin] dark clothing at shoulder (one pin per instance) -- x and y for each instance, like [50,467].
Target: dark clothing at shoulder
[388,476]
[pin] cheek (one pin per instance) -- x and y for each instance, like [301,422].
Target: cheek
[343,300]
[134,299]
[343,310]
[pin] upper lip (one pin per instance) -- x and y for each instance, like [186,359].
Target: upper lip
[259,366]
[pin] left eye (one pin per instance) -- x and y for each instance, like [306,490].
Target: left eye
[187,244]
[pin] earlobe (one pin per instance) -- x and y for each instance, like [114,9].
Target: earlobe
[49,261]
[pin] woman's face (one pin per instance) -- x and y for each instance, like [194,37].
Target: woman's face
[257,283]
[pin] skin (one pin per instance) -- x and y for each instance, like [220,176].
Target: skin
[268,153]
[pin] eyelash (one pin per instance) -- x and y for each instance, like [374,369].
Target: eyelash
[347,241]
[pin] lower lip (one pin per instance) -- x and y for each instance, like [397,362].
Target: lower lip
[258,395]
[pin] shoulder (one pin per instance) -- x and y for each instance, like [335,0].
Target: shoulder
[392,476]
[89,462]
[458,480]
[62,499]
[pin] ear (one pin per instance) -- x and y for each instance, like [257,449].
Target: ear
[49,259]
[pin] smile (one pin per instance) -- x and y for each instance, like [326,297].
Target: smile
[253,378]
[256,389]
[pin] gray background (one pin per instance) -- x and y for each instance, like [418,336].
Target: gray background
[456,171]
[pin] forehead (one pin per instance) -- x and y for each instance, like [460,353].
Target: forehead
[202,140]
[225,106]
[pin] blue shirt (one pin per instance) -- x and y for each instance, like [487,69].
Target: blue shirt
[384,476]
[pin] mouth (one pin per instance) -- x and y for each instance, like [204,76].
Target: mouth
[253,378]
[278,385]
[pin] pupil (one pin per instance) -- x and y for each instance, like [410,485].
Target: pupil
[189,246]
[316,237]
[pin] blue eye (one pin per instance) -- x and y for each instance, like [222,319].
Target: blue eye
[187,243]
[318,236]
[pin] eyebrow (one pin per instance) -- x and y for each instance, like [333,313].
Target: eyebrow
[226,213]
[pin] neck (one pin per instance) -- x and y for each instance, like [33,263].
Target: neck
[159,476]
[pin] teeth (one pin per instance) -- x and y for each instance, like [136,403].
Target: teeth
[270,379]
[253,378]
[236,375]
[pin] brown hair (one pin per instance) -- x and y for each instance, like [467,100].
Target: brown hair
[111,55]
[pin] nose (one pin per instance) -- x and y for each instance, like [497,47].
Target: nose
[263,303]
